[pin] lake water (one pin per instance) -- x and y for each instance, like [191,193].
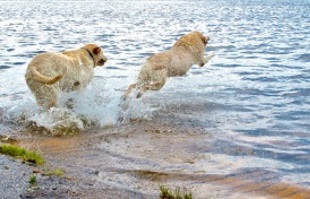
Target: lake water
[252,98]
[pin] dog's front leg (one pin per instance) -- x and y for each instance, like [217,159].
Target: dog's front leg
[208,57]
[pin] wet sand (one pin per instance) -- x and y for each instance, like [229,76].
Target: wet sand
[132,161]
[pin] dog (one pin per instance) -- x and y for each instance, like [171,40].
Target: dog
[186,52]
[50,73]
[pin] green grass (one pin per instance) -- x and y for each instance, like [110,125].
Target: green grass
[56,172]
[17,152]
[33,180]
[166,193]
[33,184]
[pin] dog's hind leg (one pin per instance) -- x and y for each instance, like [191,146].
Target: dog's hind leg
[46,96]
[142,90]
[154,87]
[128,91]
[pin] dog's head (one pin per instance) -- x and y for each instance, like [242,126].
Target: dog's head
[194,40]
[97,54]
[203,38]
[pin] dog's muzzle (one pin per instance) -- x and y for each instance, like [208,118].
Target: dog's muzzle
[101,62]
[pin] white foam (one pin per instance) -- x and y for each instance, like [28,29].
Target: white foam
[98,105]
[57,121]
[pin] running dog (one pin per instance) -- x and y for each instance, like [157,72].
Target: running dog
[186,52]
[50,73]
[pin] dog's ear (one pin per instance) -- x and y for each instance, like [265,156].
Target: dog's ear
[205,39]
[97,50]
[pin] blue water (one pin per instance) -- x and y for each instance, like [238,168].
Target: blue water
[254,96]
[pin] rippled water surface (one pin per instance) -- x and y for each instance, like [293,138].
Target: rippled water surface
[252,100]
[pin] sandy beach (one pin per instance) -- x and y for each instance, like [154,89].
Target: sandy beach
[132,162]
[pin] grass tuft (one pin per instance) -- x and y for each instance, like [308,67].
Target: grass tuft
[33,180]
[166,193]
[27,156]
[56,172]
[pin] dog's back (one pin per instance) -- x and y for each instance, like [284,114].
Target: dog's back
[44,68]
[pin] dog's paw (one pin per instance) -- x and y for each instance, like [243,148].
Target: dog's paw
[120,119]
[124,98]
[139,95]
[212,54]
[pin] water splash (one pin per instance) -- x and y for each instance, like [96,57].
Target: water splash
[95,106]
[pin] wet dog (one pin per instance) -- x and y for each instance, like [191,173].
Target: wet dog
[50,73]
[186,52]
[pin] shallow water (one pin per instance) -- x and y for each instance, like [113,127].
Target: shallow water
[251,101]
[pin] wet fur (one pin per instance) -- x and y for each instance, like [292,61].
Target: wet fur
[50,73]
[186,52]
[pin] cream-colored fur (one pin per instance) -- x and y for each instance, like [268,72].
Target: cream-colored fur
[50,73]
[186,52]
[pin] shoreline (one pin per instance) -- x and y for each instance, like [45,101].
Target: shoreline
[133,161]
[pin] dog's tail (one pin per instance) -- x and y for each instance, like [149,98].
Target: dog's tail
[44,79]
